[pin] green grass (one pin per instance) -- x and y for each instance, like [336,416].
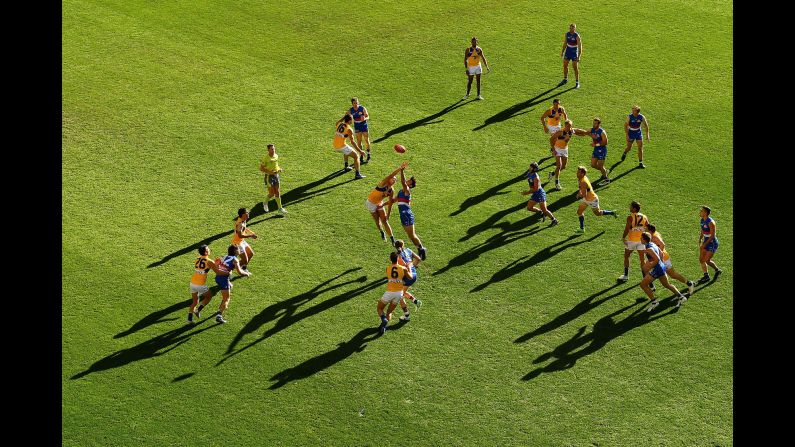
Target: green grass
[167,107]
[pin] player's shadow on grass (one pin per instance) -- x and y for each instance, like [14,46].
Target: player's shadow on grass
[601,185]
[526,262]
[423,121]
[318,363]
[158,315]
[154,347]
[604,331]
[291,197]
[575,312]
[488,194]
[516,109]
[285,311]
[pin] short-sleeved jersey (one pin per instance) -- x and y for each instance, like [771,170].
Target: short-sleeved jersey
[342,131]
[665,255]
[705,226]
[474,56]
[554,115]
[571,39]
[394,276]
[638,223]
[403,199]
[596,134]
[358,114]
[229,262]
[589,196]
[563,139]
[271,163]
[240,225]
[405,257]
[656,251]
[200,273]
[634,121]
[378,194]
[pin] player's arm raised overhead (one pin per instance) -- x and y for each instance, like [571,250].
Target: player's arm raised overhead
[406,189]
[385,181]
[554,137]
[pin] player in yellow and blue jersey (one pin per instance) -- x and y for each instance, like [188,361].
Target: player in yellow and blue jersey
[198,282]
[270,166]
[342,131]
[395,274]
[240,233]
[707,244]
[472,57]
[571,51]
[550,119]
[589,199]
[632,129]
[637,223]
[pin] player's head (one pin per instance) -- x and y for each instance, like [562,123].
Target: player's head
[568,124]
[393,257]
[581,171]
[204,250]
[271,149]
[242,212]
[634,206]
[645,237]
[232,250]
[652,228]
[635,109]
[556,102]
[597,122]
[534,167]
[355,101]
[474,41]
[399,244]
[412,182]
[347,118]
[705,210]
[572,27]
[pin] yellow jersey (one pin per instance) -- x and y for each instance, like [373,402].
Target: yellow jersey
[394,276]
[637,227]
[240,225]
[589,196]
[665,255]
[200,274]
[563,139]
[271,163]
[343,130]
[473,60]
[378,194]
[554,116]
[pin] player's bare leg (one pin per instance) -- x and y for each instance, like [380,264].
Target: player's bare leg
[469,85]
[479,97]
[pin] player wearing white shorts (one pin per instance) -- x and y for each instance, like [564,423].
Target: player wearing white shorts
[395,273]
[240,233]
[589,199]
[550,119]
[343,130]
[656,237]
[198,282]
[559,141]
[472,57]
[637,223]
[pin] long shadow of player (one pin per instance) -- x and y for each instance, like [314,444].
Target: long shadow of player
[488,194]
[287,308]
[316,364]
[158,315]
[291,197]
[154,347]
[516,109]
[423,121]
[288,320]
[526,262]
[614,179]
[604,331]
[575,312]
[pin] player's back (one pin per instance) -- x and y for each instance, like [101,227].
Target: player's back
[394,276]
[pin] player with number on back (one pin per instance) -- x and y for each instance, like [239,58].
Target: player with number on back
[198,282]
[343,130]
[395,273]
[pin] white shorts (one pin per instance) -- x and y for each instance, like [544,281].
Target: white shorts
[553,129]
[242,246]
[201,290]
[392,297]
[346,150]
[371,207]
[634,246]
[594,204]
[562,152]
[476,70]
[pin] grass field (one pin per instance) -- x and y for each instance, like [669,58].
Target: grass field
[525,338]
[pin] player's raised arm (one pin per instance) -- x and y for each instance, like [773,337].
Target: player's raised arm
[406,189]
[385,181]
[554,137]
[580,132]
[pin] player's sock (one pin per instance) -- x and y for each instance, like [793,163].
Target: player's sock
[392,238]
[384,321]
[190,317]
[582,222]
[383,235]
[608,212]
[626,271]
[199,309]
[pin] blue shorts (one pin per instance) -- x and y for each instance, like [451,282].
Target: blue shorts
[657,271]
[571,54]
[360,127]
[635,135]
[406,216]
[539,196]
[224,282]
[712,246]
[407,282]
[599,152]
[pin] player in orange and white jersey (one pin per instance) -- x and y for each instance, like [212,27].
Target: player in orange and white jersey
[198,282]
[239,234]
[375,202]
[637,223]
[589,199]
[342,131]
[472,57]
[395,274]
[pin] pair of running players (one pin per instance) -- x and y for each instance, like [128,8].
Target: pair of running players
[401,273]
[198,282]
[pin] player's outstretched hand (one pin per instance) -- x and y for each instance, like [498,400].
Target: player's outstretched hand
[404,165]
